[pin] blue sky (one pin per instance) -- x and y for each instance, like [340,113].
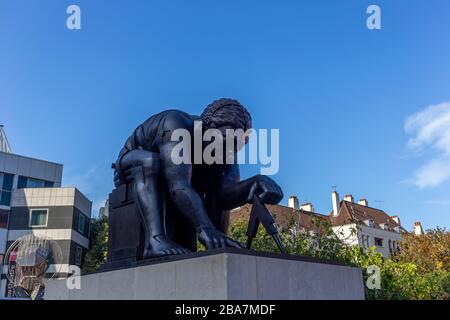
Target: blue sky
[352,105]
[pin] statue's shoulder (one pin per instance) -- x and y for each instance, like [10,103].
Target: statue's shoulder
[173,118]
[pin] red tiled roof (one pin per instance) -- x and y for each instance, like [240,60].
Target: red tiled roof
[283,216]
[353,213]
[349,213]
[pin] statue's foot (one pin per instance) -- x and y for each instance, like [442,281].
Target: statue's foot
[214,239]
[162,246]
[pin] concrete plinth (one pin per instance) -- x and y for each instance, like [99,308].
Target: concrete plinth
[219,274]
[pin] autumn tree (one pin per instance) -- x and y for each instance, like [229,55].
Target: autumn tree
[429,252]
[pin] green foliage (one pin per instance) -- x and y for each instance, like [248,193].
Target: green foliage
[323,244]
[401,277]
[98,245]
[419,271]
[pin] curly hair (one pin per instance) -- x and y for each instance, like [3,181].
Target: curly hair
[226,112]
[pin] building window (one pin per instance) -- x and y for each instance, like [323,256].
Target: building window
[378,242]
[25,182]
[3,221]
[78,256]
[6,183]
[81,222]
[38,217]
[369,222]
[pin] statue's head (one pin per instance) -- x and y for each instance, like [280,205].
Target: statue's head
[224,114]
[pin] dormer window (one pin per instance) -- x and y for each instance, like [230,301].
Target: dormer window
[369,222]
[384,226]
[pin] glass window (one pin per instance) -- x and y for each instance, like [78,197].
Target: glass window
[378,242]
[25,182]
[81,220]
[6,182]
[79,255]
[22,183]
[5,198]
[48,184]
[35,183]
[38,218]
[3,220]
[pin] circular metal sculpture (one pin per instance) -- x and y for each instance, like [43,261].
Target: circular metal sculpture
[29,259]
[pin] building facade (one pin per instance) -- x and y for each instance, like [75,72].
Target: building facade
[33,202]
[359,224]
[19,172]
[59,214]
[354,223]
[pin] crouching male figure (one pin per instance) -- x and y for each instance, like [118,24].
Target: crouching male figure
[180,203]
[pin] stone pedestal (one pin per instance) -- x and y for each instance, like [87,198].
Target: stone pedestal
[126,234]
[219,274]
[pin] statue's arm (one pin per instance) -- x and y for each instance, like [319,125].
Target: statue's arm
[186,199]
[235,193]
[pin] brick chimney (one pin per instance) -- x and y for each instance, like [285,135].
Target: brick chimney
[418,230]
[307,207]
[363,202]
[348,198]
[293,202]
[335,201]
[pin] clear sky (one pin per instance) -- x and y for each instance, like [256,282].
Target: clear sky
[352,104]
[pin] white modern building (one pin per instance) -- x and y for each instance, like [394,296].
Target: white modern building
[19,172]
[33,202]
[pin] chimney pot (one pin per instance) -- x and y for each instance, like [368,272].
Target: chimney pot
[363,202]
[293,202]
[307,207]
[418,230]
[348,198]
[396,219]
[335,202]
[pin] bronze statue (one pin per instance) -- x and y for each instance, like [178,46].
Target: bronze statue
[180,203]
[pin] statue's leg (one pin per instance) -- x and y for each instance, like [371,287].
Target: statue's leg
[143,169]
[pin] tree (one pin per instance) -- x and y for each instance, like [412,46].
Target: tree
[322,244]
[98,246]
[430,251]
[409,276]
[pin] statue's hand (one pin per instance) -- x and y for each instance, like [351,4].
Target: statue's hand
[268,190]
[213,239]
